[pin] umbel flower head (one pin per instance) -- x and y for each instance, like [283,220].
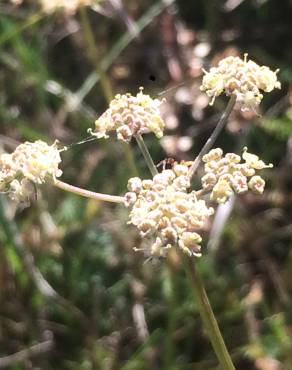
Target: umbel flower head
[225,175]
[35,162]
[243,78]
[130,115]
[164,210]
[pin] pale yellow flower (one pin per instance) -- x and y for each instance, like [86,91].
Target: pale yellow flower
[35,162]
[130,115]
[164,210]
[253,160]
[257,184]
[225,174]
[221,191]
[68,6]
[243,78]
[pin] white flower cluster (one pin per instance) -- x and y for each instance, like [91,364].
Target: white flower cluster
[68,6]
[225,175]
[30,163]
[130,115]
[242,78]
[162,208]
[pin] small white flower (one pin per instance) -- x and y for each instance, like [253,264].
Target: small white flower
[209,180]
[189,243]
[239,183]
[135,184]
[213,155]
[180,169]
[257,184]
[221,191]
[130,199]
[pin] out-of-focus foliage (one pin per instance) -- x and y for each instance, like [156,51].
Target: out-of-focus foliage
[106,308]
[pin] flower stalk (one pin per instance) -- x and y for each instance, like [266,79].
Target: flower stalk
[207,314]
[87,193]
[93,54]
[210,142]
[146,154]
[104,80]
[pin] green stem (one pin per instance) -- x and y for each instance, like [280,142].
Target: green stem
[93,54]
[30,21]
[130,159]
[207,314]
[146,154]
[88,194]
[172,304]
[104,80]
[209,143]
[121,44]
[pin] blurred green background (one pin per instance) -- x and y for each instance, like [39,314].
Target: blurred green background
[73,293]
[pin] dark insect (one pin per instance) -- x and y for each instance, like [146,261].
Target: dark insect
[171,162]
[166,162]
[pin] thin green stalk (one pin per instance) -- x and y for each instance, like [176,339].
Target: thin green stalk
[209,143]
[172,303]
[104,80]
[207,314]
[169,345]
[130,159]
[146,154]
[30,21]
[93,54]
[121,44]
[87,193]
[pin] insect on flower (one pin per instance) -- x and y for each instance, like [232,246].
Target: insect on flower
[171,162]
[166,162]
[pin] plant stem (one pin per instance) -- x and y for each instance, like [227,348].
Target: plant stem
[146,154]
[87,193]
[130,160]
[207,314]
[169,345]
[209,143]
[104,80]
[30,21]
[93,54]
[122,43]
[172,304]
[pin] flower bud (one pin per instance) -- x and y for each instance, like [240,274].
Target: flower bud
[239,183]
[147,184]
[130,199]
[253,161]
[213,155]
[180,169]
[221,191]
[135,184]
[209,180]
